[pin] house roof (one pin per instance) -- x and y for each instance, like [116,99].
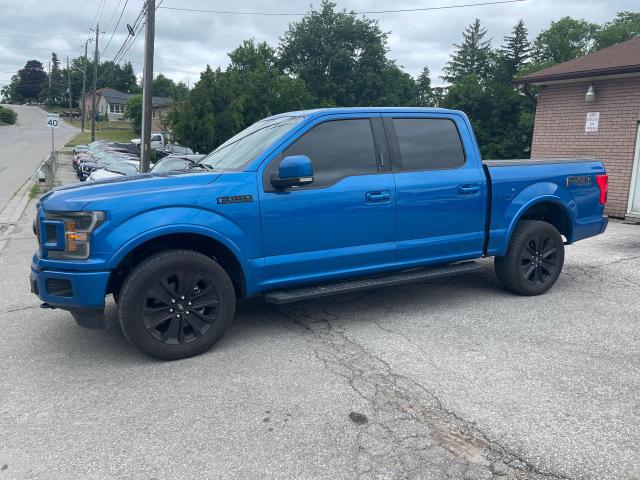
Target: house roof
[115,96]
[619,59]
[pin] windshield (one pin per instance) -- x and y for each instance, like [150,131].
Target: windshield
[171,165]
[123,168]
[242,148]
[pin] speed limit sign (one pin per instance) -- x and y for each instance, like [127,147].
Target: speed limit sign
[52,120]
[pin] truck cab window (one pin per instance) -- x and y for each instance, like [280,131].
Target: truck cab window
[337,149]
[428,144]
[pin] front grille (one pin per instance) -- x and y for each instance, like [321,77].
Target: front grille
[59,287]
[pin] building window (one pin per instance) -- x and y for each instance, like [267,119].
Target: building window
[116,108]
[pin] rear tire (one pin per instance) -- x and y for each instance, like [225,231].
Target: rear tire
[176,304]
[534,258]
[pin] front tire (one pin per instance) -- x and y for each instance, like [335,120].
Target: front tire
[176,304]
[534,258]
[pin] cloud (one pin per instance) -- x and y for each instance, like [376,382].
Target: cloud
[187,41]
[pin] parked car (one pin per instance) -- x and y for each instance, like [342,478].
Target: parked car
[158,141]
[170,149]
[302,205]
[175,163]
[116,169]
[85,169]
[84,148]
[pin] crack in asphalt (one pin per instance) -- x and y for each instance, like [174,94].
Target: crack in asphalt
[410,433]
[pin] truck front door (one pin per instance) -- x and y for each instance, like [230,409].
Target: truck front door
[440,188]
[343,224]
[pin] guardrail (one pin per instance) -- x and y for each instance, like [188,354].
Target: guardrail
[46,172]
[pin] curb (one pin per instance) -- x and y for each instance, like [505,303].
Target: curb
[16,206]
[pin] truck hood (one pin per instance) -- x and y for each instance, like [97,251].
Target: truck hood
[124,189]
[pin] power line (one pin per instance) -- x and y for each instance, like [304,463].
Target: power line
[106,27]
[363,12]
[115,28]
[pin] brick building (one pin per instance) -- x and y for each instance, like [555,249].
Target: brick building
[590,107]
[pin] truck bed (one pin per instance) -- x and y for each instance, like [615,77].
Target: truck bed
[568,184]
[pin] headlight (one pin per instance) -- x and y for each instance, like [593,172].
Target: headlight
[77,233]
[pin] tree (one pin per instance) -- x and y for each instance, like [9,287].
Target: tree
[133,111]
[625,26]
[10,92]
[54,89]
[211,113]
[163,86]
[340,58]
[565,39]
[515,52]
[471,58]
[31,78]
[264,87]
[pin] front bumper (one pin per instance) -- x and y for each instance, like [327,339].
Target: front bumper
[70,290]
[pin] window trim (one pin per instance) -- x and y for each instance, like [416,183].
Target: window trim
[394,144]
[375,136]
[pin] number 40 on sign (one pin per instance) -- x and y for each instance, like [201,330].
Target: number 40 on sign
[52,120]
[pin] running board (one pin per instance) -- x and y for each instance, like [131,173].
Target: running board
[410,276]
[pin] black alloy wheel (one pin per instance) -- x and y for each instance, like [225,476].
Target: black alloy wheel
[534,258]
[539,259]
[176,304]
[180,307]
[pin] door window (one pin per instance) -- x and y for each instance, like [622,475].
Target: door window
[337,149]
[428,144]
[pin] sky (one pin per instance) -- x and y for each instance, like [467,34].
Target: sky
[187,41]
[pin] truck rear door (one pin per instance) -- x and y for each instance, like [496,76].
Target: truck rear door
[440,188]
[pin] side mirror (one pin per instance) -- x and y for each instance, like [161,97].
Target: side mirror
[294,171]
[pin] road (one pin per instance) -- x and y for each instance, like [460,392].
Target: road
[455,379]
[23,146]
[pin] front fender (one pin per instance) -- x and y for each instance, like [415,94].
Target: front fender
[504,223]
[126,236]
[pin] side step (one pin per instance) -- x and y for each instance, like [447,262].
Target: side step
[409,276]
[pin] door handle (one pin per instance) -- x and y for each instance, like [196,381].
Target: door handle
[468,189]
[383,196]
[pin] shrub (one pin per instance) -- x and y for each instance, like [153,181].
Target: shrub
[7,116]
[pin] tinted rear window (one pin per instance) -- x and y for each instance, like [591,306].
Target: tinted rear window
[428,144]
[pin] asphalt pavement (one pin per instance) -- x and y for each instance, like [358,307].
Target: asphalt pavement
[453,379]
[24,145]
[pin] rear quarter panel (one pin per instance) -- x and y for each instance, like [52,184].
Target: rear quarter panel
[518,187]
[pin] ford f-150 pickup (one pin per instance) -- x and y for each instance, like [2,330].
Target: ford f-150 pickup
[302,205]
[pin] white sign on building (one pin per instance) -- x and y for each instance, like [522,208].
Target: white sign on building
[593,119]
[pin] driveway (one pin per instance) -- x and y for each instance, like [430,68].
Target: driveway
[23,146]
[452,379]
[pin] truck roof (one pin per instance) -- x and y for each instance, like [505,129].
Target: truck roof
[325,111]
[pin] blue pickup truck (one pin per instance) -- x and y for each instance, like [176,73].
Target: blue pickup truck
[302,205]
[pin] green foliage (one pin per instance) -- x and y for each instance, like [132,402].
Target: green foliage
[30,80]
[472,56]
[54,89]
[165,87]
[565,39]
[211,113]
[133,111]
[625,26]
[342,59]
[7,116]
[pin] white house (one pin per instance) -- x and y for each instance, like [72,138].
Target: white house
[112,103]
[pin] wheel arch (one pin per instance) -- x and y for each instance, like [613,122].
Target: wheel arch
[189,237]
[549,209]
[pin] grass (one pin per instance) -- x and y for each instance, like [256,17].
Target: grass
[34,192]
[116,131]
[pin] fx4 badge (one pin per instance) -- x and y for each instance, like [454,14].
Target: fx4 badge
[236,199]
[579,180]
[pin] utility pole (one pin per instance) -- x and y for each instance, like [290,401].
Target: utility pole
[95,81]
[83,110]
[147,85]
[69,88]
